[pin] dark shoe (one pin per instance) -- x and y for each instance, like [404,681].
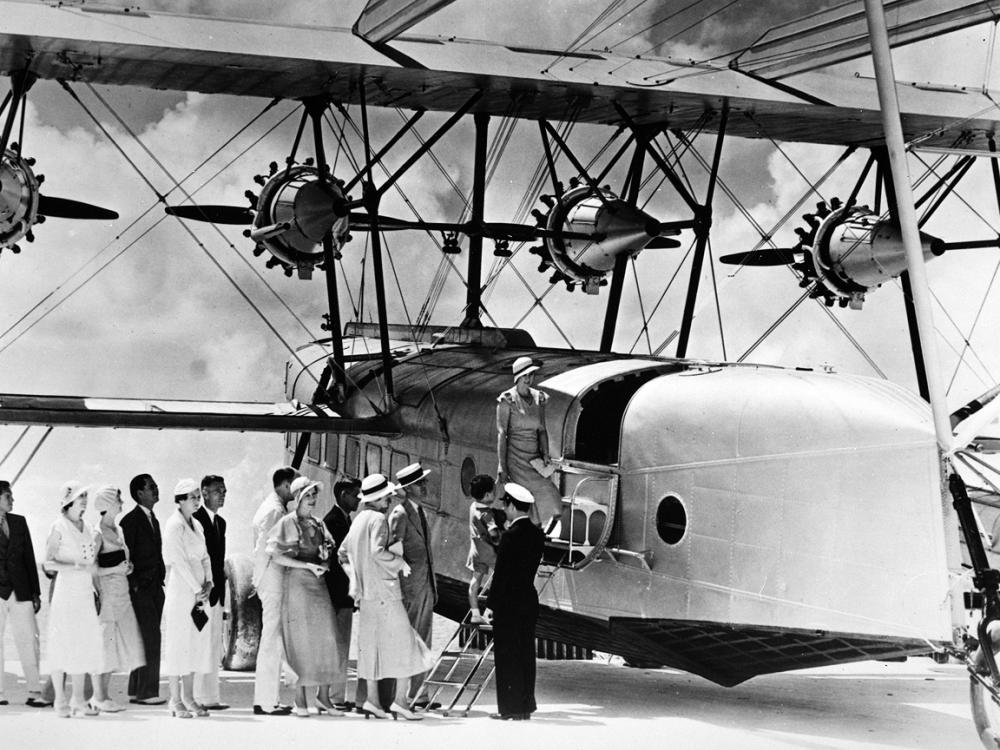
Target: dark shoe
[278,710]
[424,705]
[215,706]
[508,717]
[157,701]
[37,702]
[346,706]
[4,702]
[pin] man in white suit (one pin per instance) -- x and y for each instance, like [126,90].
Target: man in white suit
[267,580]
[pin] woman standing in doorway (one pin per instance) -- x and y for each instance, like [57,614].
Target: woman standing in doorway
[523,442]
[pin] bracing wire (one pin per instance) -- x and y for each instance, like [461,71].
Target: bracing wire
[131,244]
[235,284]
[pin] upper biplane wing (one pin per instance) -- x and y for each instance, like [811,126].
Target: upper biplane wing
[838,34]
[250,58]
[383,20]
[239,416]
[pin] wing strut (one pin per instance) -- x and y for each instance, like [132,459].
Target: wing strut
[702,229]
[886,82]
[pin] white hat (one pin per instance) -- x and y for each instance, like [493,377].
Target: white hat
[523,366]
[185,487]
[410,474]
[519,493]
[105,497]
[301,485]
[69,492]
[374,487]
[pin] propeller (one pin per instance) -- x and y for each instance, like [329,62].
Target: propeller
[216,214]
[779,256]
[64,208]
[662,243]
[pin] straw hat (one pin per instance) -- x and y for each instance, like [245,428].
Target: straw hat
[410,474]
[375,487]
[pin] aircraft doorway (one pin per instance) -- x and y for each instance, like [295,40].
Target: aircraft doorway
[599,424]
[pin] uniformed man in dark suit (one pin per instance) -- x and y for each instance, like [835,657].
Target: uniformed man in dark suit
[142,536]
[513,606]
[213,495]
[20,595]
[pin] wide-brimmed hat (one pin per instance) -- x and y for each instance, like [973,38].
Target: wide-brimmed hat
[105,498]
[523,366]
[185,487]
[69,492]
[519,493]
[375,487]
[301,485]
[410,474]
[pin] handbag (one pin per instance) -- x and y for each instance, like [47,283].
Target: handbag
[199,616]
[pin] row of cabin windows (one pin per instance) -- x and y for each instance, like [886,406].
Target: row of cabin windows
[324,450]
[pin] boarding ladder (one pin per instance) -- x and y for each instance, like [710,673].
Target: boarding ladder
[464,666]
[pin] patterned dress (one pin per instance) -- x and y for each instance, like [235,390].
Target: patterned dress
[307,616]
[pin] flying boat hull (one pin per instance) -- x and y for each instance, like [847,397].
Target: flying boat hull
[758,519]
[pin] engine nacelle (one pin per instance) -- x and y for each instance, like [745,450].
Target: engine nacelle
[18,198]
[613,228]
[854,252]
[295,210]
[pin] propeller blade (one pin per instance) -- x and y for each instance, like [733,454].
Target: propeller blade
[213,214]
[780,256]
[64,208]
[662,243]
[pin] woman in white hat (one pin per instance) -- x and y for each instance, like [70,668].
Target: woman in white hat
[522,439]
[123,649]
[74,637]
[300,543]
[388,646]
[186,647]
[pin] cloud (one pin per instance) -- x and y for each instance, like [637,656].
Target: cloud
[164,321]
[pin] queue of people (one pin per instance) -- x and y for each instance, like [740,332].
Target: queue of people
[131,597]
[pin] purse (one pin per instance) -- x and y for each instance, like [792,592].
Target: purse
[199,616]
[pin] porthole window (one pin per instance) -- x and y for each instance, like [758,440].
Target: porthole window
[468,472]
[671,519]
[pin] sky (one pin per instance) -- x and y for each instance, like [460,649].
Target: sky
[162,321]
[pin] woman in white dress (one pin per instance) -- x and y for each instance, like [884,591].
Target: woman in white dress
[388,646]
[187,649]
[123,650]
[74,635]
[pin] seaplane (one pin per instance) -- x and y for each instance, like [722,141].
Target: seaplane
[724,517]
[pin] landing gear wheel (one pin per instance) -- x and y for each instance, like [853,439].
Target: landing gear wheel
[985,714]
[241,629]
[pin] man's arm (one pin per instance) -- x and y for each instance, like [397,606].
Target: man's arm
[32,568]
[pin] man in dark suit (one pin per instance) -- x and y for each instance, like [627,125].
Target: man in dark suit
[20,595]
[213,496]
[513,605]
[408,524]
[338,523]
[142,536]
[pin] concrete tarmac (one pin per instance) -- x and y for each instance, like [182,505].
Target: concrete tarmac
[582,705]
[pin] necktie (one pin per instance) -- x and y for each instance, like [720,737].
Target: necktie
[156,524]
[423,521]
[218,527]
[4,531]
